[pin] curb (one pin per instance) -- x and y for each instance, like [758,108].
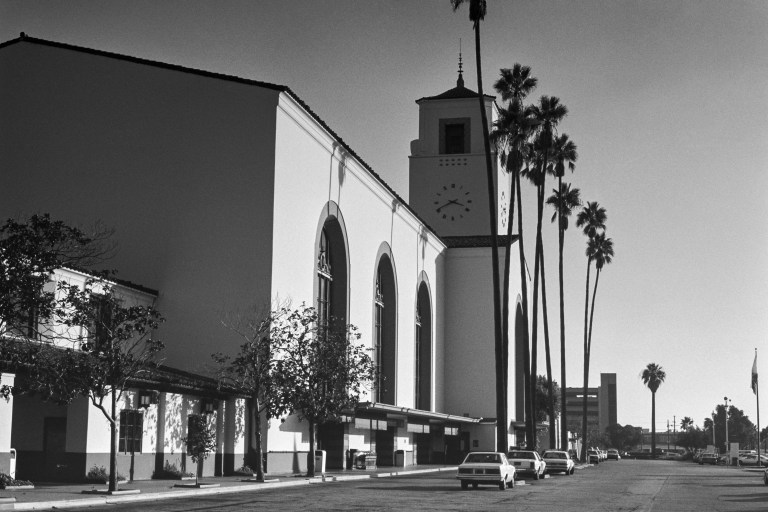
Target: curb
[182,493]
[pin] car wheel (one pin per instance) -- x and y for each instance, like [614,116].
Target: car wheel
[572,471]
[474,485]
[503,485]
[536,475]
[512,483]
[765,478]
[464,485]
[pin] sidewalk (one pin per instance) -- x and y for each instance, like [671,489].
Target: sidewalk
[48,496]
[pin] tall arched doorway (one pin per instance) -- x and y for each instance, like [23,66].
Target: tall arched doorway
[423,350]
[331,285]
[385,331]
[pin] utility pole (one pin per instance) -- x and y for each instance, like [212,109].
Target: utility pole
[727,450]
[674,429]
[667,435]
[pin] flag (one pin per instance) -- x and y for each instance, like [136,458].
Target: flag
[754,375]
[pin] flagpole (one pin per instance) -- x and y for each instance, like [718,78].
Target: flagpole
[757,398]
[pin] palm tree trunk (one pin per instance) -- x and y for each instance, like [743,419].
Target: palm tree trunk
[592,311]
[501,408]
[653,424]
[563,408]
[535,323]
[528,392]
[550,382]
[586,371]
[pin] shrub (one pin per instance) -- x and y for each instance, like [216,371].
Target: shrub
[100,474]
[170,471]
[7,481]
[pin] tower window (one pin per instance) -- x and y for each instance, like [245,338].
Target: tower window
[454,136]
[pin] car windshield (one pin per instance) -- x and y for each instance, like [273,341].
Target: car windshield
[483,457]
[521,455]
[554,455]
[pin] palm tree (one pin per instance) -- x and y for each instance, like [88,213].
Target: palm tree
[602,254]
[549,112]
[591,219]
[564,200]
[653,375]
[477,11]
[512,130]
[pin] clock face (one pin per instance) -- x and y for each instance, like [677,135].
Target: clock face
[452,202]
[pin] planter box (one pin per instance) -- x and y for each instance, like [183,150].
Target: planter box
[18,488]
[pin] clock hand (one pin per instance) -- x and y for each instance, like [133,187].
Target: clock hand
[456,202]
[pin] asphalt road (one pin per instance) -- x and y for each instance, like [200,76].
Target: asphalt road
[625,485]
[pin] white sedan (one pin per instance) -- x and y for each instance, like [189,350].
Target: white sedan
[527,462]
[750,459]
[491,468]
[558,461]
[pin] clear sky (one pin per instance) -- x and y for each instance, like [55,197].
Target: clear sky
[668,106]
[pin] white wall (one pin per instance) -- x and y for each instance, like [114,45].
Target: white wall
[311,171]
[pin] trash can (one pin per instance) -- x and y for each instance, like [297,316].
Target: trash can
[370,462]
[351,458]
[400,458]
[320,461]
[12,464]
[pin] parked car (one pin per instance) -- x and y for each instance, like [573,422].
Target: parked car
[765,477]
[492,468]
[750,459]
[613,454]
[527,462]
[709,458]
[558,462]
[593,457]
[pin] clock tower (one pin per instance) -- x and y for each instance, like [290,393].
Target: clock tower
[447,174]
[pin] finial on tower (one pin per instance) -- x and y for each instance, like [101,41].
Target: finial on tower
[460,81]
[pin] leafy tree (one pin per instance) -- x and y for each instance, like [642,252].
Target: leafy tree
[322,369]
[591,219]
[693,438]
[477,11]
[200,440]
[624,437]
[563,200]
[30,251]
[653,375]
[117,348]
[543,397]
[253,372]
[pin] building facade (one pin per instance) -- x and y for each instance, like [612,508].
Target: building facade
[601,405]
[226,193]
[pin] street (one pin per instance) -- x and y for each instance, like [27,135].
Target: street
[612,486]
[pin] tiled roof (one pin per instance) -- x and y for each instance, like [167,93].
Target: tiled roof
[458,242]
[458,92]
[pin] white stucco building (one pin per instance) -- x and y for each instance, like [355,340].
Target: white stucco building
[227,192]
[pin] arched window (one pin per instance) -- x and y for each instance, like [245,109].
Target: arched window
[325,279]
[331,273]
[385,329]
[423,350]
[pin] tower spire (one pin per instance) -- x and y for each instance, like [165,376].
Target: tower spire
[460,81]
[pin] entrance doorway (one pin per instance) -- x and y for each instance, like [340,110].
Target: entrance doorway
[385,447]
[54,448]
[330,437]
